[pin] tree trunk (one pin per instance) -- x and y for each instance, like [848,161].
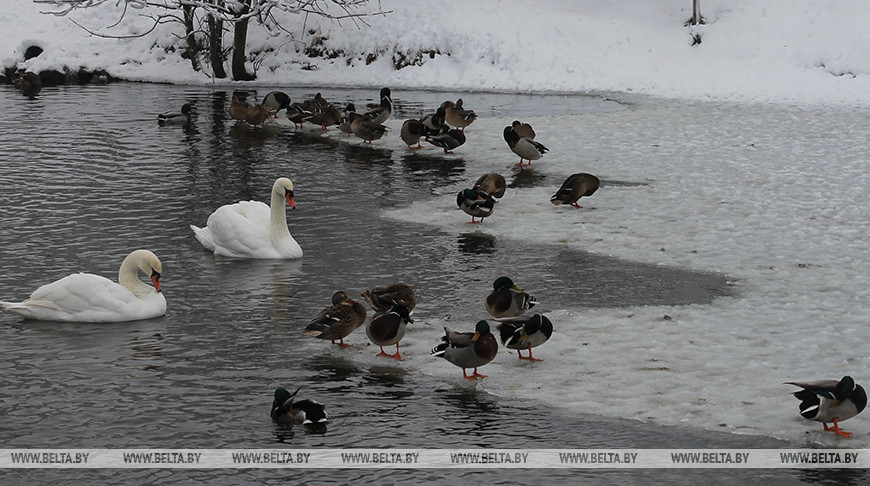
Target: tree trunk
[192,50]
[215,46]
[240,38]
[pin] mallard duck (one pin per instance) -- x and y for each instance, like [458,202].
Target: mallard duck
[525,333]
[457,116]
[380,113]
[297,113]
[468,349]
[251,229]
[475,203]
[86,297]
[238,109]
[389,328]
[28,82]
[275,102]
[523,129]
[491,183]
[176,117]
[286,410]
[347,118]
[831,401]
[366,129]
[447,138]
[382,299]
[508,300]
[338,320]
[575,187]
[526,148]
[412,131]
[433,121]
[257,115]
[325,116]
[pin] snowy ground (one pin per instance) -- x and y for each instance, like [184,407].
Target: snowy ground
[771,191]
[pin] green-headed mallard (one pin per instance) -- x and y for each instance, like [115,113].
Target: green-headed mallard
[286,410]
[525,333]
[389,328]
[238,109]
[382,299]
[468,349]
[457,116]
[433,121]
[508,300]
[276,101]
[491,183]
[176,117]
[446,138]
[576,186]
[475,203]
[831,401]
[380,113]
[526,148]
[366,129]
[523,129]
[338,320]
[412,131]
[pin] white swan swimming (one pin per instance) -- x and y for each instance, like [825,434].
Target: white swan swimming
[250,229]
[85,297]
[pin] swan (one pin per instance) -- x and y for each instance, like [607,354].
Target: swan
[250,229]
[85,297]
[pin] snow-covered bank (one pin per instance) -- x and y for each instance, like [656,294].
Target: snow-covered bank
[782,50]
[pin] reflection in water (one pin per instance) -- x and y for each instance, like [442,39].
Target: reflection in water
[835,477]
[422,164]
[527,177]
[476,243]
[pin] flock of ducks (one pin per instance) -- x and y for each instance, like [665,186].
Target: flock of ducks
[251,229]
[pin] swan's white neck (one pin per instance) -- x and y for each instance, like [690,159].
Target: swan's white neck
[278,218]
[128,276]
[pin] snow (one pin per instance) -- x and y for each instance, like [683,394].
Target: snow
[784,217]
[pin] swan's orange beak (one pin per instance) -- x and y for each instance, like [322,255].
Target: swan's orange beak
[155,277]
[290,200]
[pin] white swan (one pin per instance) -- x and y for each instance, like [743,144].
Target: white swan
[250,229]
[85,297]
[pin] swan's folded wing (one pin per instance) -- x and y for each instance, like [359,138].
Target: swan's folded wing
[241,229]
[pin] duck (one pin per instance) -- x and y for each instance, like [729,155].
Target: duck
[28,82]
[276,101]
[257,115]
[433,121]
[457,116]
[382,299]
[447,138]
[525,333]
[347,118]
[366,129]
[491,183]
[286,410]
[251,229]
[412,131]
[523,129]
[86,297]
[238,109]
[325,116]
[176,117]
[526,148]
[468,349]
[507,300]
[380,113]
[576,186]
[389,328]
[475,203]
[831,401]
[338,320]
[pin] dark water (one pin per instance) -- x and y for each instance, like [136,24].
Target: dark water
[88,176]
